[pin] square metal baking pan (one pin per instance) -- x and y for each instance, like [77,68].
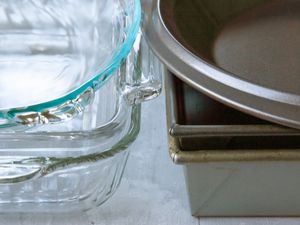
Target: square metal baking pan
[240,166]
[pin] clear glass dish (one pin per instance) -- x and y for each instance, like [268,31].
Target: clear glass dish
[55,54]
[77,165]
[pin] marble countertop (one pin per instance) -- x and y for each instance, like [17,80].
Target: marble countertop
[152,191]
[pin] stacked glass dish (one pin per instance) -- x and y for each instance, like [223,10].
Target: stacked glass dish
[72,78]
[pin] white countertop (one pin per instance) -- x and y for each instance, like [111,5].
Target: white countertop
[152,191]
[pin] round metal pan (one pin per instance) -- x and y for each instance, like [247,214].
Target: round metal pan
[244,53]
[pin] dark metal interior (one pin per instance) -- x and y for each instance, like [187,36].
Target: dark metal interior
[196,109]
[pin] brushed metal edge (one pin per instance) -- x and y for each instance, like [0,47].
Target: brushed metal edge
[205,156]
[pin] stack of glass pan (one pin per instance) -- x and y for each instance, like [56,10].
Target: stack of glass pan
[72,80]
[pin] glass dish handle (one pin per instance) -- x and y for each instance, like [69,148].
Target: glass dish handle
[142,80]
[15,171]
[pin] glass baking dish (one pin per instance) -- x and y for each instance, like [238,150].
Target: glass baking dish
[55,55]
[73,159]
[77,165]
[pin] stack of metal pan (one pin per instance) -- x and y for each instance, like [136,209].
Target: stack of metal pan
[233,101]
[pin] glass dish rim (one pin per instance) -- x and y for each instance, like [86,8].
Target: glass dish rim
[116,123]
[48,165]
[96,82]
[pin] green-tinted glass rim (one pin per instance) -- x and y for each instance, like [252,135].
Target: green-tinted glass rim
[96,81]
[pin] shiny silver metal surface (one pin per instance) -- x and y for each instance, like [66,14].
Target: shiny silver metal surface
[249,59]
